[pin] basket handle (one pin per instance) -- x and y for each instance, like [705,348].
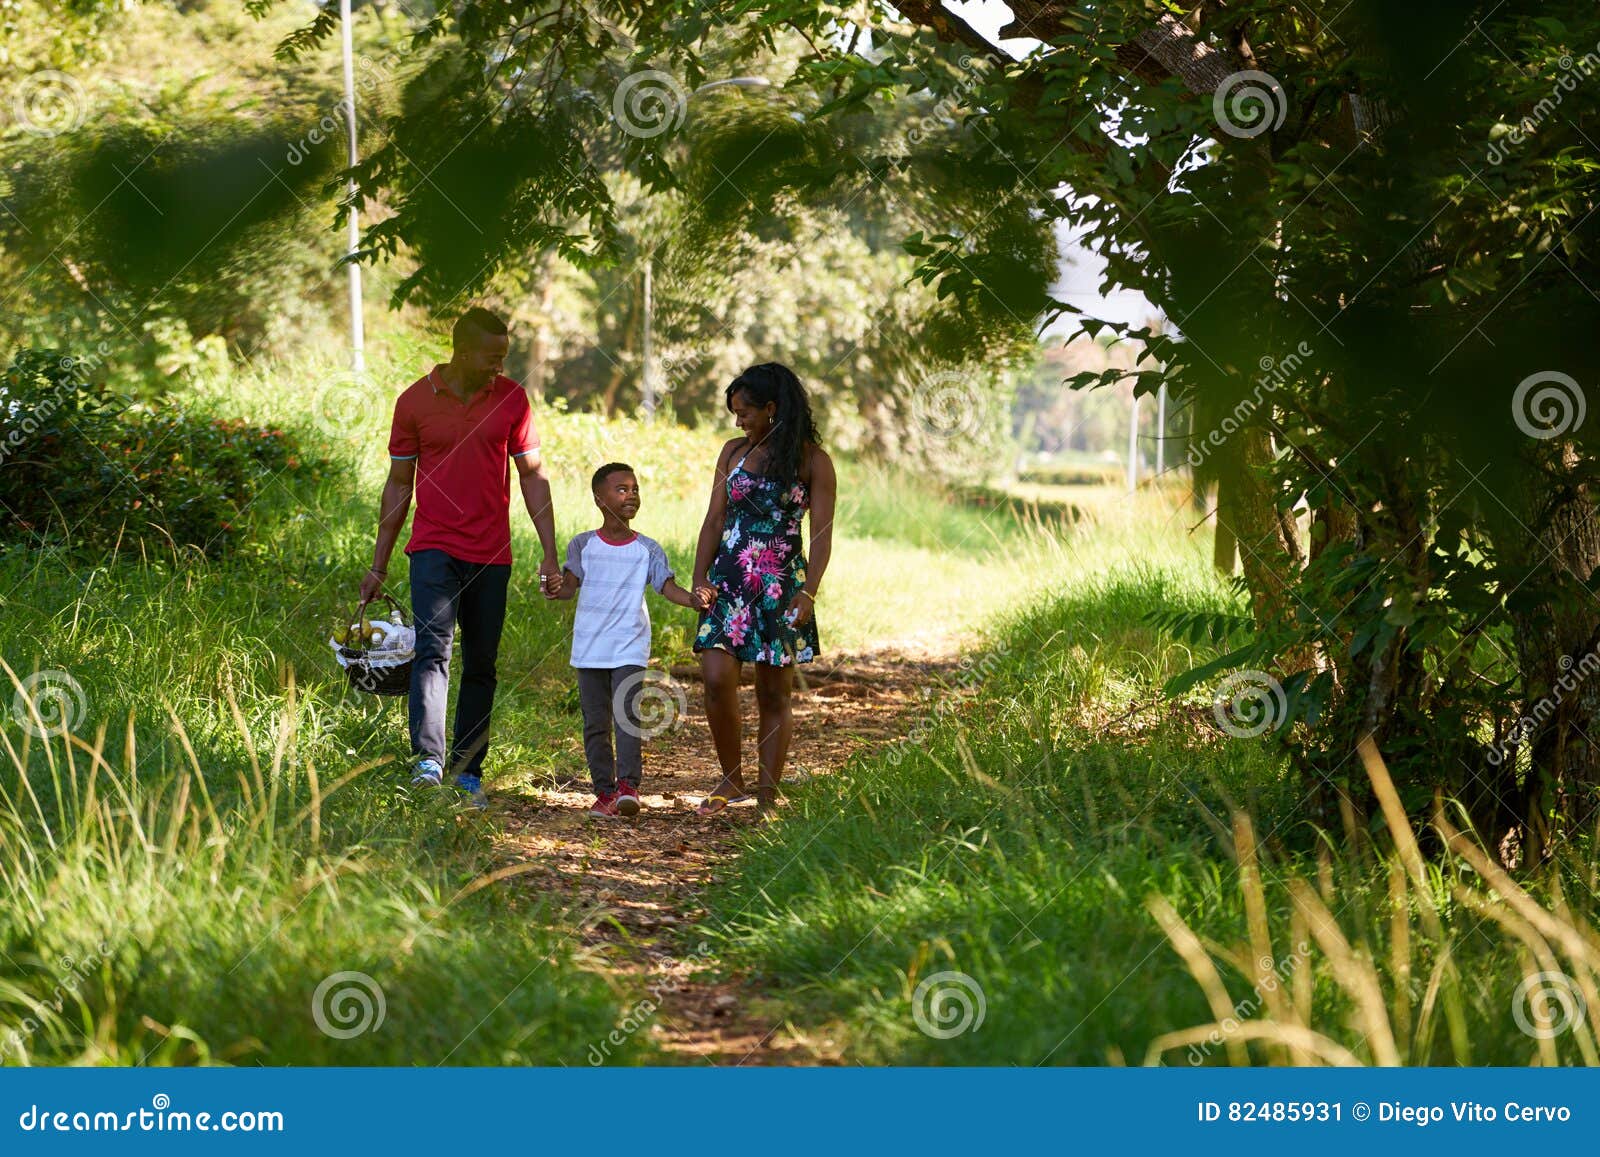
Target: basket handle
[363,604]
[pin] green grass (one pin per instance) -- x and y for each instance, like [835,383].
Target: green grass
[1048,829]
[1047,825]
[254,837]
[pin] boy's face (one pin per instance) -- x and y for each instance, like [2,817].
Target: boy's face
[619,493]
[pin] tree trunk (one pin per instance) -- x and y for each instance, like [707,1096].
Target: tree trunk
[1269,546]
[1225,548]
[1557,639]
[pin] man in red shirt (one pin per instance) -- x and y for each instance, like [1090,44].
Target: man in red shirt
[453,432]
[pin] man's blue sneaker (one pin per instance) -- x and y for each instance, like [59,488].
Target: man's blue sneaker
[427,772]
[472,786]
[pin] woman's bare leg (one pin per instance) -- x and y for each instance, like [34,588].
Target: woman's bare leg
[720,674]
[776,715]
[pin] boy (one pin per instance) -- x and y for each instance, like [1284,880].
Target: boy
[608,570]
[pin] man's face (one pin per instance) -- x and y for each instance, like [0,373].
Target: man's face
[483,359]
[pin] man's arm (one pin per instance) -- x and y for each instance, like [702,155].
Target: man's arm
[392,510]
[536,496]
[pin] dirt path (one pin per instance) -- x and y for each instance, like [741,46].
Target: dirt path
[632,887]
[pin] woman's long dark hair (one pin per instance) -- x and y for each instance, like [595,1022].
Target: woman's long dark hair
[792,424]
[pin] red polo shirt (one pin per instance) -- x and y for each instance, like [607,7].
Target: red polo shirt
[463,452]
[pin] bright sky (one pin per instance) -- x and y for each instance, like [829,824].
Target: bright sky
[1079,271]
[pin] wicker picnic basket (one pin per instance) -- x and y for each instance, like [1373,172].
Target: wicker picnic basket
[368,669]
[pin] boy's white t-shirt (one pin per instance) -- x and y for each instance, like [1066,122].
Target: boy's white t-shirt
[612,627]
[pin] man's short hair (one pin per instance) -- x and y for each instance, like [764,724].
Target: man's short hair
[607,471]
[475,323]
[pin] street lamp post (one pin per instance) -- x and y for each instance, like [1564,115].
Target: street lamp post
[358,358]
[648,386]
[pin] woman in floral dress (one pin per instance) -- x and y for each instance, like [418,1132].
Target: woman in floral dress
[752,579]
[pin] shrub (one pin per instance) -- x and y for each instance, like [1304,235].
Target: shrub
[81,467]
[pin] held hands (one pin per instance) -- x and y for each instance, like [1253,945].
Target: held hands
[704,596]
[550,578]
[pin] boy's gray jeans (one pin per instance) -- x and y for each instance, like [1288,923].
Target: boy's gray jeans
[604,715]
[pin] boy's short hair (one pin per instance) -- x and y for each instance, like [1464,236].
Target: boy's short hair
[475,323]
[607,471]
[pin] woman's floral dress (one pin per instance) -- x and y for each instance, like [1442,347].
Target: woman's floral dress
[757,570]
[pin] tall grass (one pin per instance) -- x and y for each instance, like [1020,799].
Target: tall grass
[234,826]
[274,907]
[1116,881]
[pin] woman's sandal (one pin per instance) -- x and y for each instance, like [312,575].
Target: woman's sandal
[706,808]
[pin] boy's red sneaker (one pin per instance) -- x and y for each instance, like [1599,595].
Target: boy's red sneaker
[604,805]
[627,799]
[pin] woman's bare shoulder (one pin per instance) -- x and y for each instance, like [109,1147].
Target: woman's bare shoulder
[816,459]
